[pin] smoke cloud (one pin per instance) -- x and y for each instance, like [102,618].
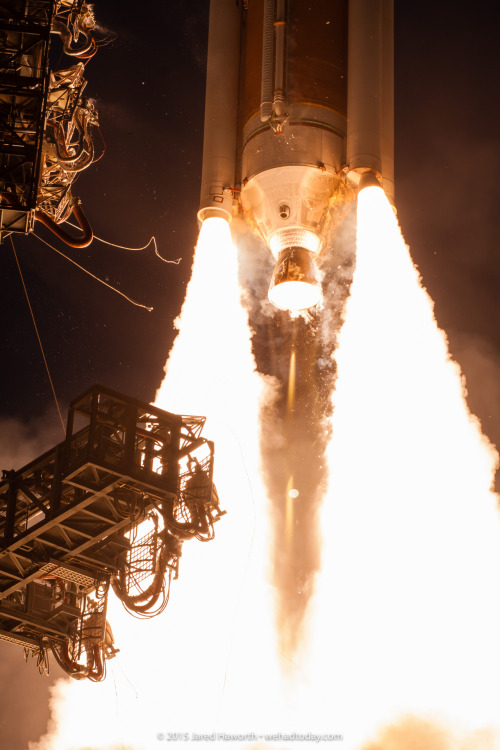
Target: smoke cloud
[480,363]
[296,356]
[21,442]
[413,733]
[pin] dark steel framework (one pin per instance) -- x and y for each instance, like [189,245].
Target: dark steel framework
[25,27]
[47,125]
[69,520]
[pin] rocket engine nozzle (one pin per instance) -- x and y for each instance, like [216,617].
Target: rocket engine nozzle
[368,179]
[295,284]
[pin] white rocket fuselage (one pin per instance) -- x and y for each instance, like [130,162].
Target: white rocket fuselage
[299,99]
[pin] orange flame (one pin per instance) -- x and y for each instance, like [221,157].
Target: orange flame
[407,609]
[406,615]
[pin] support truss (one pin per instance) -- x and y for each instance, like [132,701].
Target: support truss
[69,523]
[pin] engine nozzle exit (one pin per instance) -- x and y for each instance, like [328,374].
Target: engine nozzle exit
[295,284]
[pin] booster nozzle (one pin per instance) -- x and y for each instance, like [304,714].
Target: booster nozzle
[368,179]
[218,203]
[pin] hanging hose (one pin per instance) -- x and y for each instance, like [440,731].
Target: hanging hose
[142,603]
[59,27]
[88,53]
[83,241]
[194,520]
[95,669]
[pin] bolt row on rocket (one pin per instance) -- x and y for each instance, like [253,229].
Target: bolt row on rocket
[299,100]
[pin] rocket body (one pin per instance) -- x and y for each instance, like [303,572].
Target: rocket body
[299,101]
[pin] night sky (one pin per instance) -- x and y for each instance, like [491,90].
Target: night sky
[149,89]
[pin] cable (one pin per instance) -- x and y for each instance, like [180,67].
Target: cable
[98,158]
[134,249]
[129,299]
[38,336]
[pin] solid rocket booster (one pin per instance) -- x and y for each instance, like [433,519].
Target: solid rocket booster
[299,100]
[218,176]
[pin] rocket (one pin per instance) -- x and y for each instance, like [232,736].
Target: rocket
[299,105]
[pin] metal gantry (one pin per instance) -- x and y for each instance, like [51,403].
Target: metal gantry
[25,27]
[46,122]
[70,523]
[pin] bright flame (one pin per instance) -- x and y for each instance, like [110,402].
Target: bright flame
[407,613]
[406,617]
[196,667]
[294,295]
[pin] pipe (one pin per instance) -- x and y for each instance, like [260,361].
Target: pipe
[86,55]
[221,111]
[266,86]
[279,68]
[81,242]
